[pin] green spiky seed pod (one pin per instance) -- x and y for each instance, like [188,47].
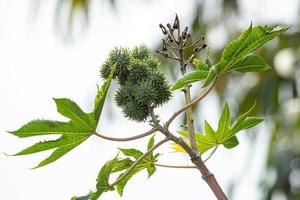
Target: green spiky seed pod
[161,87]
[136,111]
[137,71]
[141,52]
[124,94]
[152,63]
[144,92]
[119,57]
[142,87]
[105,69]
[123,77]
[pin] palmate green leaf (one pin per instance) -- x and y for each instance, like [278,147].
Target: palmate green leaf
[73,133]
[80,127]
[101,95]
[238,49]
[48,127]
[189,78]
[62,145]
[226,134]
[63,141]
[62,150]
[71,110]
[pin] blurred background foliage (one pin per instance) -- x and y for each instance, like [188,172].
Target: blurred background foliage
[277,92]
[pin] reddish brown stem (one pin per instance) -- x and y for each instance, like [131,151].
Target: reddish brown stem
[209,178]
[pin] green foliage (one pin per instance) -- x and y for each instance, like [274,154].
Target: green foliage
[251,63]
[71,110]
[238,49]
[101,95]
[226,133]
[102,180]
[142,86]
[121,165]
[189,78]
[74,132]
[80,127]
[235,57]
[147,163]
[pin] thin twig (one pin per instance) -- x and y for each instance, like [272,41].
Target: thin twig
[195,101]
[127,138]
[166,55]
[193,44]
[187,166]
[176,166]
[173,47]
[174,55]
[211,154]
[132,167]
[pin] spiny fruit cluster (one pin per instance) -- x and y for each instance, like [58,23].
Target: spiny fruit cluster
[142,86]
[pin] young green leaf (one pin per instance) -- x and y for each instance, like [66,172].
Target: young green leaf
[117,165]
[204,142]
[146,163]
[151,142]
[131,152]
[151,169]
[199,65]
[85,197]
[120,186]
[232,142]
[251,63]
[103,176]
[238,49]
[189,78]
[110,167]
[122,164]
[226,133]
[224,122]
[151,158]
[101,95]
[102,181]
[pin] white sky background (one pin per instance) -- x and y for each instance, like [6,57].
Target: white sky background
[35,66]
